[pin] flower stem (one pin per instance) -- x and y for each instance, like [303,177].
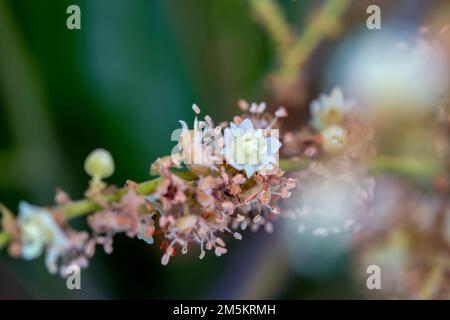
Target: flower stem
[293,165]
[324,25]
[82,207]
[270,16]
[421,171]
[414,169]
[4,239]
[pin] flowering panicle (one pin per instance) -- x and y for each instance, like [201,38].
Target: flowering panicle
[228,192]
[209,187]
[219,181]
[222,179]
[215,204]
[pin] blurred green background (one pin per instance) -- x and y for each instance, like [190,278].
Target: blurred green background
[122,82]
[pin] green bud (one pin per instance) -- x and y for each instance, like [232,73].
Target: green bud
[99,164]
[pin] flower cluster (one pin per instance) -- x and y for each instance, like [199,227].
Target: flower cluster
[132,215]
[234,191]
[201,210]
[328,112]
[37,229]
[336,188]
[222,180]
[335,130]
[236,185]
[249,143]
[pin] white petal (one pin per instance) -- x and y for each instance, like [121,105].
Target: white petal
[184,125]
[32,250]
[258,133]
[314,107]
[26,209]
[262,107]
[274,144]
[51,259]
[148,240]
[247,124]
[249,170]
[337,96]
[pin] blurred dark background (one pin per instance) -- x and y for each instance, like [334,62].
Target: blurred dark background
[122,82]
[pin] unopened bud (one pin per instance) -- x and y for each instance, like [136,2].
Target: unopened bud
[99,164]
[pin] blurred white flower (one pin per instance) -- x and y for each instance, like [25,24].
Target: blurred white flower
[334,138]
[40,231]
[329,109]
[396,81]
[247,148]
[392,256]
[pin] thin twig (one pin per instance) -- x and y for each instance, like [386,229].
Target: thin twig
[269,14]
[4,239]
[325,24]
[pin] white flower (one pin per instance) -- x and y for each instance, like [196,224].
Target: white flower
[329,109]
[248,149]
[39,231]
[199,146]
[334,138]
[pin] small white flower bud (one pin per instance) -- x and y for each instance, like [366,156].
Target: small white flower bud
[99,164]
